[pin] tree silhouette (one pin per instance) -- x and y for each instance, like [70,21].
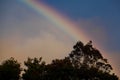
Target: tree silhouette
[83,63]
[10,70]
[60,69]
[90,63]
[35,69]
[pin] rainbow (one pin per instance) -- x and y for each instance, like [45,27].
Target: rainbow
[62,22]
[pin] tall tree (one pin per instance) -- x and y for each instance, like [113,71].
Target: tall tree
[90,63]
[10,70]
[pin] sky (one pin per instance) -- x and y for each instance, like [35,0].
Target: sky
[26,33]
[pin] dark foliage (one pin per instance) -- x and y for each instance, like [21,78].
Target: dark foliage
[90,64]
[10,70]
[83,63]
[35,69]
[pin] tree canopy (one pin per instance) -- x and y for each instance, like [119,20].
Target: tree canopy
[84,62]
[35,69]
[10,70]
[90,63]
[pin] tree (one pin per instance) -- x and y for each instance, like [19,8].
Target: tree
[60,69]
[35,69]
[90,63]
[10,70]
[83,63]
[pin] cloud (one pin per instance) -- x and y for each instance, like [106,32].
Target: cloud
[24,33]
[49,47]
[33,37]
